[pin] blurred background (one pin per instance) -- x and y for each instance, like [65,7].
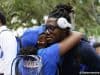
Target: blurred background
[23,14]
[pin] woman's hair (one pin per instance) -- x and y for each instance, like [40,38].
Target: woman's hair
[62,10]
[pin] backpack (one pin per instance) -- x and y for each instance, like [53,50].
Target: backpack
[27,62]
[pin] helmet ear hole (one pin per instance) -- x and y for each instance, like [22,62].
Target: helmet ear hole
[63,23]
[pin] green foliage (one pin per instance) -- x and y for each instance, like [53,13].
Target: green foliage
[86,12]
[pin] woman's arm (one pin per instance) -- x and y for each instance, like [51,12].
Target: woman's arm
[69,42]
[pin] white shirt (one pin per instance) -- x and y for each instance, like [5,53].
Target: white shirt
[8,45]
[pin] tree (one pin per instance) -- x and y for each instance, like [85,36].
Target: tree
[86,11]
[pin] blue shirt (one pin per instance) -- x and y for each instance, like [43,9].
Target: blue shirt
[50,57]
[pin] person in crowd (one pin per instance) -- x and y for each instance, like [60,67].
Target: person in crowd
[70,64]
[97,46]
[54,50]
[8,47]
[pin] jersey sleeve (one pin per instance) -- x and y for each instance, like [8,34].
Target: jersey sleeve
[51,53]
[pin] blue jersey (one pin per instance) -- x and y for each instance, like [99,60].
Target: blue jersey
[50,58]
[50,55]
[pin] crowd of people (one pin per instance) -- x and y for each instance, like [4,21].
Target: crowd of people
[63,51]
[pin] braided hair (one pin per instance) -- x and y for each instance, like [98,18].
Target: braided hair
[62,10]
[30,50]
